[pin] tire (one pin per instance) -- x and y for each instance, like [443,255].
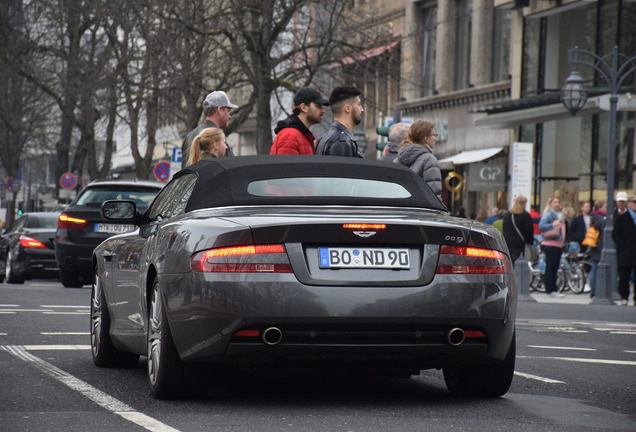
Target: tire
[9,274]
[489,380]
[103,351]
[561,282]
[70,279]
[576,280]
[168,375]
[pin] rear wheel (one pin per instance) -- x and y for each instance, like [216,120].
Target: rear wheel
[490,380]
[104,352]
[9,272]
[576,280]
[70,279]
[168,375]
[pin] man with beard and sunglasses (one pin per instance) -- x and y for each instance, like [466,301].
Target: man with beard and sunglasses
[346,107]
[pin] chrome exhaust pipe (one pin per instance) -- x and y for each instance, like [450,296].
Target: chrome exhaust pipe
[455,336]
[272,335]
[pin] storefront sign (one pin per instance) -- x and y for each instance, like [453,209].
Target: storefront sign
[486,177]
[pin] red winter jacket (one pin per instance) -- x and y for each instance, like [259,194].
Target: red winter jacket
[292,137]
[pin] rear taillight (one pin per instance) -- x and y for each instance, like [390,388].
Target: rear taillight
[243,259]
[471,260]
[29,242]
[67,222]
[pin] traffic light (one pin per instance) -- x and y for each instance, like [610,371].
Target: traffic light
[20,208]
[383,130]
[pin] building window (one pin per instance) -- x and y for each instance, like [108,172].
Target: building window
[463,24]
[429,39]
[501,45]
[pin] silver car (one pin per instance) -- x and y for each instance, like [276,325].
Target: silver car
[303,260]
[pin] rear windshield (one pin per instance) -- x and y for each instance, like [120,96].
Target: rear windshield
[42,221]
[95,196]
[327,187]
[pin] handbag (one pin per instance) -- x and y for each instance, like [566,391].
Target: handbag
[530,252]
[552,233]
[591,237]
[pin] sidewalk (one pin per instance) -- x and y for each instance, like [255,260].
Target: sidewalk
[570,298]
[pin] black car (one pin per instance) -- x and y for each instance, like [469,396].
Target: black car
[26,248]
[81,227]
[313,260]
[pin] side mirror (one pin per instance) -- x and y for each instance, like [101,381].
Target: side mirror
[119,211]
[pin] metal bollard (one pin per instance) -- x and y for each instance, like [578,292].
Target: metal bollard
[522,275]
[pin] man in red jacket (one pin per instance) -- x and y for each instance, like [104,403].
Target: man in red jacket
[292,134]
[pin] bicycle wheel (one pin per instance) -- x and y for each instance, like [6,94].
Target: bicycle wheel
[576,279]
[561,283]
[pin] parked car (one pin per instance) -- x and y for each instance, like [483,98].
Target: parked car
[81,227]
[26,248]
[313,260]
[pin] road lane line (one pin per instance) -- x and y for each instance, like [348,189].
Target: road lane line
[65,306]
[67,313]
[561,348]
[65,333]
[25,310]
[538,378]
[97,396]
[584,360]
[8,305]
[55,347]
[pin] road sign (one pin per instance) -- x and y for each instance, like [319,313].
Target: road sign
[68,181]
[176,154]
[162,171]
[10,184]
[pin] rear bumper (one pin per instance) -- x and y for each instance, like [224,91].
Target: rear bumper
[74,257]
[374,325]
[33,263]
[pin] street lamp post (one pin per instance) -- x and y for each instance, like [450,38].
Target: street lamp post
[574,96]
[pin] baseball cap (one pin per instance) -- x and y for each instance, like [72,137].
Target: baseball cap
[218,99]
[309,94]
[621,196]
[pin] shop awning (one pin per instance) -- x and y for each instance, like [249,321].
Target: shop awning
[471,156]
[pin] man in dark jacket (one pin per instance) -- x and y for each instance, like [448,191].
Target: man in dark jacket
[292,134]
[216,108]
[624,235]
[346,106]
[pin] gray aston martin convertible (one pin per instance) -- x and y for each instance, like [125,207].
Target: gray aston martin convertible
[303,260]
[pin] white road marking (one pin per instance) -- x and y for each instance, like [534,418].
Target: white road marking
[561,348]
[64,306]
[55,347]
[97,396]
[25,310]
[584,360]
[630,351]
[538,378]
[67,313]
[8,305]
[65,333]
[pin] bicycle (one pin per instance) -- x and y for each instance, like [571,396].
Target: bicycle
[537,271]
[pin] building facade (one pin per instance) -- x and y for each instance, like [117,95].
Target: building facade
[489,73]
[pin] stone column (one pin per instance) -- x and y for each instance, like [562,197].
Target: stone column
[445,47]
[481,42]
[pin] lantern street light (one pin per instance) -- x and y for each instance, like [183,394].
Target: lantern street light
[574,96]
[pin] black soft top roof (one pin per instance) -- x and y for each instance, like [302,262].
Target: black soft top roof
[223,182]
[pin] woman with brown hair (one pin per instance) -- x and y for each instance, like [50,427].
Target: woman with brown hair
[416,152]
[209,144]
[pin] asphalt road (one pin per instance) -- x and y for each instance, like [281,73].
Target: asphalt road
[576,371]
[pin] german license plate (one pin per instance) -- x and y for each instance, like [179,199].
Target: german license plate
[114,228]
[374,258]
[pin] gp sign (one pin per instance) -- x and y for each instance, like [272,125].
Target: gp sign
[487,177]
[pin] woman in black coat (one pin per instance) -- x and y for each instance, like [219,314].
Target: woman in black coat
[519,217]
